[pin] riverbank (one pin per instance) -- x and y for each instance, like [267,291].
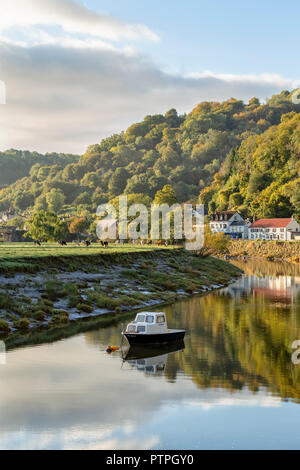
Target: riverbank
[89,288]
[272,250]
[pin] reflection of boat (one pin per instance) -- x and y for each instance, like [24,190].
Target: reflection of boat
[139,352]
[151,328]
[151,360]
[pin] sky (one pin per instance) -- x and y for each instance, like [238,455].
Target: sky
[78,71]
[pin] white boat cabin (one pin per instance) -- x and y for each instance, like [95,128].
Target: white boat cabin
[148,323]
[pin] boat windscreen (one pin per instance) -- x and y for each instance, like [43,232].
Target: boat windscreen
[140,318]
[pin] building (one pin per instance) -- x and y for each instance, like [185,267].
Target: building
[229,222]
[7,216]
[274,229]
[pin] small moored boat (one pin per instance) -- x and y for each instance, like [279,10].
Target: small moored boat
[151,328]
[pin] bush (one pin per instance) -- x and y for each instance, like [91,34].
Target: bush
[6,301]
[85,308]
[22,324]
[60,317]
[103,301]
[55,290]
[40,315]
[4,326]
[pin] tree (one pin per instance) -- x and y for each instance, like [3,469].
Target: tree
[24,200]
[45,226]
[55,200]
[40,203]
[166,195]
[118,181]
[78,225]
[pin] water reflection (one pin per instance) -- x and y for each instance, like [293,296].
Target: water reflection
[150,360]
[241,336]
[233,385]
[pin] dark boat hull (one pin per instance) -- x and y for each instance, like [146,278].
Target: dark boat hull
[162,338]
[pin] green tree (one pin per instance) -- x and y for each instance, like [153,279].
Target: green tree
[55,200]
[45,226]
[118,181]
[167,195]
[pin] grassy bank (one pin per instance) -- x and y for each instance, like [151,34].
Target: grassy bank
[271,250]
[25,257]
[98,286]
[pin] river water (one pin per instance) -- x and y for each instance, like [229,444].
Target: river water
[233,385]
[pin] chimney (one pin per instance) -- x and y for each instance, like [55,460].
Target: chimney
[293,217]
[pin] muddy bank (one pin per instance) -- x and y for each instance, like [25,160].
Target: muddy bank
[101,288]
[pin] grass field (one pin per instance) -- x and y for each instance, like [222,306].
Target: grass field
[27,257]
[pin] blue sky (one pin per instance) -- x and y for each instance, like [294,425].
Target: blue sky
[76,72]
[232,36]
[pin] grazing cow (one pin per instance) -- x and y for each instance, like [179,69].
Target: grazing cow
[37,243]
[105,244]
[166,243]
[149,242]
[62,243]
[87,243]
[159,242]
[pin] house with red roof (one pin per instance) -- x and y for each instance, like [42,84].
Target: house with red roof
[274,229]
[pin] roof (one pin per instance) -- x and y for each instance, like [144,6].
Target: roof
[271,223]
[227,214]
[155,314]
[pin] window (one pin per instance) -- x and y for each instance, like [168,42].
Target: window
[140,318]
[149,319]
[141,329]
[131,328]
[160,319]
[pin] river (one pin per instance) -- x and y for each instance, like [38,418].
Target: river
[233,385]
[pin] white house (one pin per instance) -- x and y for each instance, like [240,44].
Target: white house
[274,229]
[230,223]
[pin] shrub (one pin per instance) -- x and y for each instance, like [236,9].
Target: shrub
[102,301]
[4,326]
[85,308]
[55,290]
[40,315]
[60,317]
[22,324]
[6,301]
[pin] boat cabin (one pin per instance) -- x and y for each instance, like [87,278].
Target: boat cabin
[148,323]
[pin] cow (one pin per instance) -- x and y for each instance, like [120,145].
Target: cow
[62,243]
[37,243]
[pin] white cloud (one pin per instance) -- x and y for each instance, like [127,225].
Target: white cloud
[68,94]
[72,16]
[70,86]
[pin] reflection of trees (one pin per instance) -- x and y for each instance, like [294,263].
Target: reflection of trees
[233,342]
[245,342]
[254,267]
